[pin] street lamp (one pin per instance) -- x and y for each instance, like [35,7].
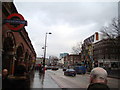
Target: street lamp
[45,49]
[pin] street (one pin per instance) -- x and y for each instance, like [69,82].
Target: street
[37,36]
[57,79]
[80,81]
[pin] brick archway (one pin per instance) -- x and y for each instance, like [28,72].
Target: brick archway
[19,55]
[20,52]
[8,51]
[26,59]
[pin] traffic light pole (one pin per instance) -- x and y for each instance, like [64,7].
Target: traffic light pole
[45,51]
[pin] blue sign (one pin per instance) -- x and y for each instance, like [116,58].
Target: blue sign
[15,22]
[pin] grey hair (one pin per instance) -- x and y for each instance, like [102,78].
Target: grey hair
[99,73]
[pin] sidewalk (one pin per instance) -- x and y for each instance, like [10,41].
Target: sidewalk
[43,81]
[114,74]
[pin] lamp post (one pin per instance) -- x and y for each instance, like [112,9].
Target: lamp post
[45,49]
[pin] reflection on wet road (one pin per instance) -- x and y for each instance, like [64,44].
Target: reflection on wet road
[56,79]
[43,81]
[36,81]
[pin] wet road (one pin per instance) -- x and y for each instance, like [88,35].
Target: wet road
[57,79]
[80,81]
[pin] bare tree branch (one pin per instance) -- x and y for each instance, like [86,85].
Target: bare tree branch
[77,49]
[113,30]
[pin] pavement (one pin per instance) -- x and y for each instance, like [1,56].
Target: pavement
[114,74]
[43,81]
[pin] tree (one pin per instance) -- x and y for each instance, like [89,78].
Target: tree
[113,29]
[112,32]
[77,49]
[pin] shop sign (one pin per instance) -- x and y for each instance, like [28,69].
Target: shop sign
[15,22]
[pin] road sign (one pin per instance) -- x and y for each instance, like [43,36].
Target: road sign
[15,22]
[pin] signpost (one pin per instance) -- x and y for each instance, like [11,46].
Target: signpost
[15,22]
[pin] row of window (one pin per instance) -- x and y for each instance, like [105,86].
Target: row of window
[107,56]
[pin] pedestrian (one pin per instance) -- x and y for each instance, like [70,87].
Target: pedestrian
[98,79]
[36,67]
[5,79]
[40,69]
[4,74]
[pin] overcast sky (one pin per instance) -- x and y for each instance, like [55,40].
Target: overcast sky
[69,22]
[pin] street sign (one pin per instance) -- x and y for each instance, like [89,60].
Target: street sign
[15,22]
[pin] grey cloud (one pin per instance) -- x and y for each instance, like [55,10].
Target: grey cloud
[83,19]
[79,13]
[73,12]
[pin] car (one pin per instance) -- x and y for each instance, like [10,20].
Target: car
[55,68]
[70,72]
[48,67]
[64,69]
[80,69]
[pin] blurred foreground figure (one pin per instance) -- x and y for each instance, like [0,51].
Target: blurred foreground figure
[20,70]
[5,79]
[5,73]
[98,79]
[19,80]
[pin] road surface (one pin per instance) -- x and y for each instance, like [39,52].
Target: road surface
[80,81]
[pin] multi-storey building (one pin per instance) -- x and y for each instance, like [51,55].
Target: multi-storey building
[61,62]
[87,50]
[39,60]
[107,53]
[72,60]
[53,60]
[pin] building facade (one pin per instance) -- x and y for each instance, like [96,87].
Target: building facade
[87,50]
[53,60]
[107,53]
[16,46]
[61,62]
[39,60]
[97,50]
[72,60]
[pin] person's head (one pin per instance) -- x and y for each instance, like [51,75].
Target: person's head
[5,72]
[98,75]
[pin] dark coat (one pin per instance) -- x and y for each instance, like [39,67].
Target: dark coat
[19,82]
[98,86]
[6,83]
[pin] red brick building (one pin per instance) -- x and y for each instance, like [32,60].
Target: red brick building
[16,46]
[72,60]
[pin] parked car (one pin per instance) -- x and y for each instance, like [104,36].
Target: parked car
[80,69]
[70,72]
[64,69]
[48,67]
[55,68]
